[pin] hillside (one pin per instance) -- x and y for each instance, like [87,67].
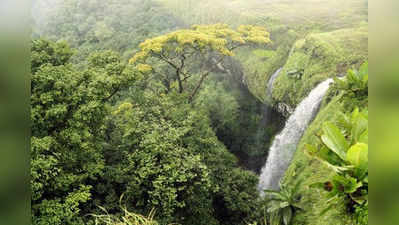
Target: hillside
[318,57]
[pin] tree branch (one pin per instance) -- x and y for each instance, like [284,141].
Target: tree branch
[194,93]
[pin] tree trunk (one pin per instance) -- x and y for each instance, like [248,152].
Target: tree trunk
[198,87]
[179,81]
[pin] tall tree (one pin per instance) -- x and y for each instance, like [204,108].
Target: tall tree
[68,107]
[187,57]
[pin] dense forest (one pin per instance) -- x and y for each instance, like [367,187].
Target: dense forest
[199,112]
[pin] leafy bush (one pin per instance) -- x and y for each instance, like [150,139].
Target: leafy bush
[98,132]
[362,214]
[345,151]
[354,87]
[318,57]
[68,107]
[128,218]
[283,204]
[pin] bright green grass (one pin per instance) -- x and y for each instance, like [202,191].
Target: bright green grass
[311,170]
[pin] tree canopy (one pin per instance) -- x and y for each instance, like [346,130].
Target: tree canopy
[178,56]
[97,134]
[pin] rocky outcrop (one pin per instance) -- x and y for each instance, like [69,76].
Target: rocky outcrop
[284,109]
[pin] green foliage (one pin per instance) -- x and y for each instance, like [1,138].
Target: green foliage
[361,214]
[158,170]
[354,86]
[240,120]
[128,218]
[316,58]
[101,132]
[310,170]
[345,151]
[218,38]
[118,25]
[174,57]
[106,129]
[68,108]
[260,63]
[175,163]
[222,106]
[44,52]
[283,204]
[287,21]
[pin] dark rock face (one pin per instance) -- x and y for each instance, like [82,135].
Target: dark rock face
[284,109]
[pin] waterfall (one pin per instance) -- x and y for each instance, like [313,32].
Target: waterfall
[271,81]
[284,144]
[266,108]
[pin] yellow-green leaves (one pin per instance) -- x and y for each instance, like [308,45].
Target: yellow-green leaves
[122,108]
[254,34]
[360,126]
[217,37]
[334,140]
[193,53]
[358,157]
[345,150]
[144,68]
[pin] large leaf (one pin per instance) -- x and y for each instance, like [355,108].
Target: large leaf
[364,138]
[311,150]
[273,207]
[359,199]
[330,156]
[344,121]
[360,125]
[274,195]
[364,73]
[334,140]
[275,218]
[345,184]
[358,156]
[287,215]
[284,204]
[327,157]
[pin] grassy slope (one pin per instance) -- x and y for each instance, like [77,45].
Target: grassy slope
[311,171]
[320,56]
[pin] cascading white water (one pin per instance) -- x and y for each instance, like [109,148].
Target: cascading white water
[267,108]
[271,82]
[284,144]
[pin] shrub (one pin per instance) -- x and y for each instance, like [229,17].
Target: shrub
[283,204]
[128,218]
[354,87]
[345,151]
